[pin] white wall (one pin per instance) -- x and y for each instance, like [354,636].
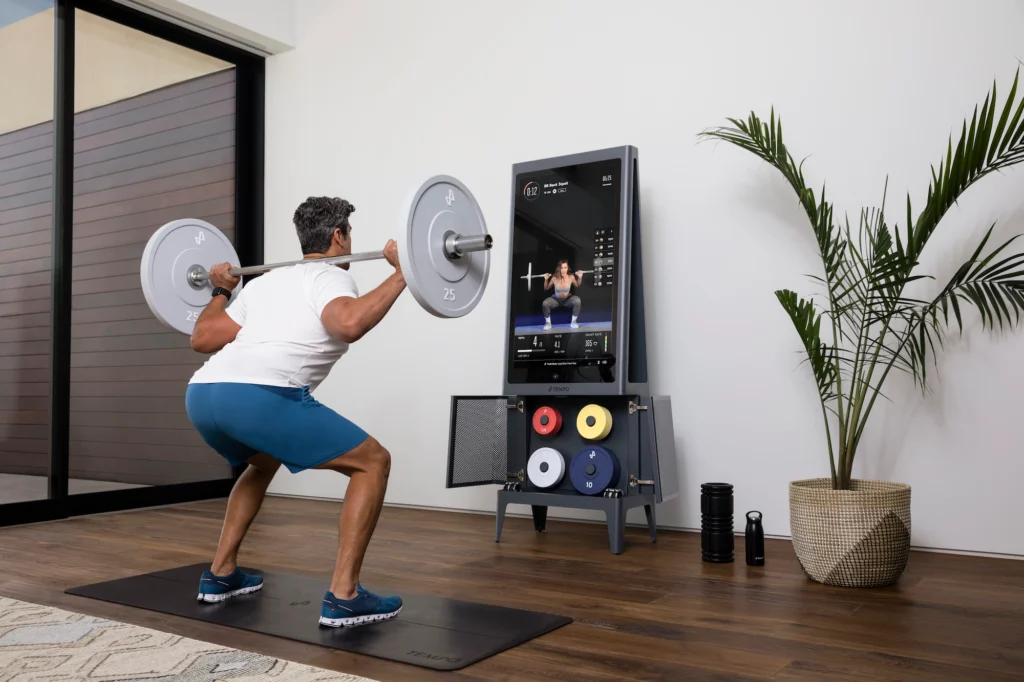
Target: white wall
[266,25]
[379,95]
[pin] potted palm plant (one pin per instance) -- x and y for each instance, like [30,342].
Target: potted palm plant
[866,324]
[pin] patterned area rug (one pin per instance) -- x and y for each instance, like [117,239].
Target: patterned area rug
[40,643]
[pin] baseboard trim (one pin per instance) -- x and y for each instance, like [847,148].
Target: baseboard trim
[684,529]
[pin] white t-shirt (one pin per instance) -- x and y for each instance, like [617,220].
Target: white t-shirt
[282,341]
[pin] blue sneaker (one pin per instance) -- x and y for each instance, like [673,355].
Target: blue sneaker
[217,588]
[362,609]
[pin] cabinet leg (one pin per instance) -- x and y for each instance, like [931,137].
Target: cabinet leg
[502,504]
[651,526]
[540,517]
[616,516]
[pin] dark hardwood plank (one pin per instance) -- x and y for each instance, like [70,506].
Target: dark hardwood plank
[17,238]
[42,169]
[32,158]
[147,193]
[654,613]
[156,126]
[25,267]
[161,420]
[30,181]
[222,124]
[133,405]
[128,388]
[178,164]
[25,321]
[24,403]
[160,155]
[24,417]
[21,335]
[37,305]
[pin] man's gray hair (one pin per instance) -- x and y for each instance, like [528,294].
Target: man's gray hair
[317,218]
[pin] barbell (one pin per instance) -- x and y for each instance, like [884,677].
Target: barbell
[443,250]
[529,276]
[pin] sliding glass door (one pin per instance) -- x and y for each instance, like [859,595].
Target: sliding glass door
[26,230]
[140,123]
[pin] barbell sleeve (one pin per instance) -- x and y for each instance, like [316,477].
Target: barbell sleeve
[455,247]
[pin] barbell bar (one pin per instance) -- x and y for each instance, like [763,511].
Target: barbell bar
[443,250]
[455,246]
[529,276]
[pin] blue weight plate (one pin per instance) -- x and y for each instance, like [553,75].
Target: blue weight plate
[593,469]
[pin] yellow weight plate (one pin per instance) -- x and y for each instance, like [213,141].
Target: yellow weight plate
[594,422]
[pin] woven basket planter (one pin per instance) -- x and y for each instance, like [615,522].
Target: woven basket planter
[851,538]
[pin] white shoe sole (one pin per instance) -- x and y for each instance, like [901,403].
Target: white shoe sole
[228,595]
[358,620]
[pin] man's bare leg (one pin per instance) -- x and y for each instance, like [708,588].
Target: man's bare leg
[243,505]
[367,466]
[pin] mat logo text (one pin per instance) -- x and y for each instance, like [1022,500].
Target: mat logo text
[433,657]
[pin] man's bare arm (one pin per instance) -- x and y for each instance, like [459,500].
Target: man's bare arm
[215,329]
[349,319]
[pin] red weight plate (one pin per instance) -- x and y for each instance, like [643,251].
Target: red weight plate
[547,421]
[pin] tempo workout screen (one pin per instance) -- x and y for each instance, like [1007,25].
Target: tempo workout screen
[564,274]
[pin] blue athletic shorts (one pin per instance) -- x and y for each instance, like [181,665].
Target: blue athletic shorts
[241,420]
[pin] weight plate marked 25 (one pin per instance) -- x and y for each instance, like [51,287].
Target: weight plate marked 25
[168,255]
[445,287]
[444,253]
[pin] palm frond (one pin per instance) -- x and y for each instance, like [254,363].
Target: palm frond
[764,140]
[982,149]
[994,288]
[820,356]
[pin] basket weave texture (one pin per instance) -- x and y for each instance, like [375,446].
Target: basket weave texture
[851,538]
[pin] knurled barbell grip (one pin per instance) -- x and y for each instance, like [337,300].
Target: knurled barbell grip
[459,245]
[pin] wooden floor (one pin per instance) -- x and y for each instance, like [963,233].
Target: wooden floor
[655,612]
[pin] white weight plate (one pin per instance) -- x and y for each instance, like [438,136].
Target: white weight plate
[445,288]
[545,468]
[169,254]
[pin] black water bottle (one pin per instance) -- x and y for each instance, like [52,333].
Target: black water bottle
[755,539]
[716,538]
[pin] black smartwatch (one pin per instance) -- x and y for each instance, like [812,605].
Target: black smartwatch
[219,291]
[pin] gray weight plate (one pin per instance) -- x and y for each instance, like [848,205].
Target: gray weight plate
[545,468]
[169,254]
[445,288]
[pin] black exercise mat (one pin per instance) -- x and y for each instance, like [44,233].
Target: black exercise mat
[430,632]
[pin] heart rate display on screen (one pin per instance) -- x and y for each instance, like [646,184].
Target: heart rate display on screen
[564,274]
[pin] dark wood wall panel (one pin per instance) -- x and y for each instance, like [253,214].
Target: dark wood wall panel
[139,163]
[26,169]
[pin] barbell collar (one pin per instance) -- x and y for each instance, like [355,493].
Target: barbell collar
[456,246]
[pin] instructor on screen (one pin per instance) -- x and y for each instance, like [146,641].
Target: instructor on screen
[562,282]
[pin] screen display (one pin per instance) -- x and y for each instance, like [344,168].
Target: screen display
[564,275]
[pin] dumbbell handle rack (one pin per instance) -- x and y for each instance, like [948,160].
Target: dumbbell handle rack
[614,509]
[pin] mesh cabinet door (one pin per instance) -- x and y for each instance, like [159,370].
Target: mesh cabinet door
[478,440]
